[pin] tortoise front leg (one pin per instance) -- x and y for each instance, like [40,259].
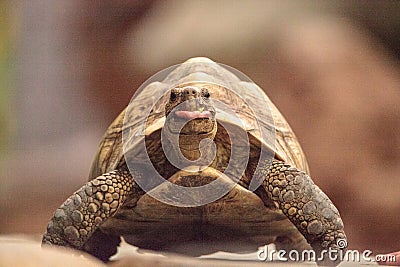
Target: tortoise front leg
[306,206]
[75,221]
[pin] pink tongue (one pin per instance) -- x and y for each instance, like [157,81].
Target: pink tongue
[193,114]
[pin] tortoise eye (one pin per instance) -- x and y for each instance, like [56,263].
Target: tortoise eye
[172,97]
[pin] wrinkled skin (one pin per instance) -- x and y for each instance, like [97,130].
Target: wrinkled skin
[82,221]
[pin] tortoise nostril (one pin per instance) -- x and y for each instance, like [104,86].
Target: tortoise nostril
[191,92]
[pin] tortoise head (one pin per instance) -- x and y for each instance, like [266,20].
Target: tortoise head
[190,114]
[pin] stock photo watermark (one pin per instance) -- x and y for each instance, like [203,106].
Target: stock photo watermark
[355,256]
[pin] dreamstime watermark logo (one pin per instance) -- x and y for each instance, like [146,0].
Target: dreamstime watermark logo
[339,254]
[226,86]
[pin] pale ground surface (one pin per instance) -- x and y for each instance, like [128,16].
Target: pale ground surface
[25,251]
[126,252]
[12,247]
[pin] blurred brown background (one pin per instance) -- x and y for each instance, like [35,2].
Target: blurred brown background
[67,68]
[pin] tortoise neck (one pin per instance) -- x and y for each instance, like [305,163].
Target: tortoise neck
[189,144]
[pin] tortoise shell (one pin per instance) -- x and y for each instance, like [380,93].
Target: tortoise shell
[242,106]
[251,109]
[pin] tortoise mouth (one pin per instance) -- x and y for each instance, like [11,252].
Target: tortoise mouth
[193,115]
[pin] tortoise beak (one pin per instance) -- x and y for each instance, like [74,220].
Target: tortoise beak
[191,115]
[190,112]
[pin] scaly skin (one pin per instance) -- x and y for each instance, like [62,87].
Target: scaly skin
[74,222]
[306,206]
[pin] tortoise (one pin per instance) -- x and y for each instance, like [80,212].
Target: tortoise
[194,125]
